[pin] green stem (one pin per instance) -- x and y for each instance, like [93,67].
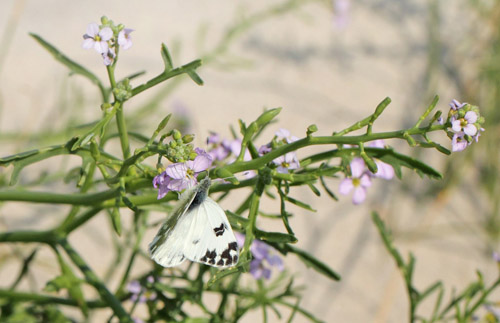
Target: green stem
[13,296]
[57,198]
[29,236]
[166,75]
[92,279]
[326,140]
[122,130]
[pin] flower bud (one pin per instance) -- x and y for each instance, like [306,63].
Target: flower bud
[176,134]
[187,138]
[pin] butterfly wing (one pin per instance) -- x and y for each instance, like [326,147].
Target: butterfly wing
[210,239]
[168,244]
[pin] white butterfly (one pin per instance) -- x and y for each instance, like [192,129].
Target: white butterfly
[197,230]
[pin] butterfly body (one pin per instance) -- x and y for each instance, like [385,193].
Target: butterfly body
[197,230]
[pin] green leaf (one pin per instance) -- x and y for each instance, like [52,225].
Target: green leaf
[195,77]
[309,260]
[167,59]
[386,238]
[298,203]
[72,65]
[276,237]
[116,220]
[397,160]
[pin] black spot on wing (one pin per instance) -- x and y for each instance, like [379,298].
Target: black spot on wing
[209,257]
[230,254]
[219,231]
[196,241]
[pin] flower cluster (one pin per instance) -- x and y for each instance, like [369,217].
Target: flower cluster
[140,293]
[263,254]
[465,122]
[361,176]
[106,38]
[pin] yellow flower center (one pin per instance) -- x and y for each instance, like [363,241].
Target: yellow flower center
[356,182]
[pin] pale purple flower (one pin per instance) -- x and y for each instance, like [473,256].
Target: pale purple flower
[287,162]
[384,170]
[137,320]
[495,311]
[264,149]
[496,256]
[109,57]
[476,137]
[465,124]
[183,175]
[139,293]
[263,254]
[440,120]
[214,138]
[284,134]
[341,13]
[161,182]
[235,147]
[455,105]
[358,182]
[124,39]
[458,142]
[379,143]
[97,39]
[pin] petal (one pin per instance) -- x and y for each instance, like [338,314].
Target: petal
[282,133]
[345,186]
[365,181]
[201,163]
[385,170]
[178,185]
[240,238]
[359,195]
[101,47]
[88,43]
[92,29]
[106,33]
[379,143]
[282,170]
[357,167]
[177,171]
[470,129]
[456,125]
[471,117]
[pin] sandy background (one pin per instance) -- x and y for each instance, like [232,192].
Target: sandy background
[320,72]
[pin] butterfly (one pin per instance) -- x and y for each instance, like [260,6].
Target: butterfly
[197,230]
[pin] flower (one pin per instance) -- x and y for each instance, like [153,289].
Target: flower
[465,124]
[262,254]
[179,176]
[341,13]
[287,162]
[458,142]
[109,56]
[139,293]
[124,39]
[97,39]
[455,105]
[359,181]
[161,182]
[284,134]
[384,170]
[183,175]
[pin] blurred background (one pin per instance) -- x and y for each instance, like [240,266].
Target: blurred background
[327,63]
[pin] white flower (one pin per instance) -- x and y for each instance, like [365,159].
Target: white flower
[465,124]
[97,39]
[124,39]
